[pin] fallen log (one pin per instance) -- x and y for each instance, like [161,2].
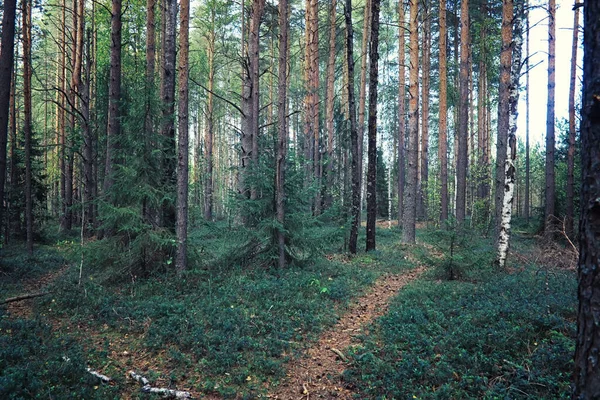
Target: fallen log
[98,375]
[168,393]
[24,297]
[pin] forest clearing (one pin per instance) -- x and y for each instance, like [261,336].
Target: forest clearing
[299,199]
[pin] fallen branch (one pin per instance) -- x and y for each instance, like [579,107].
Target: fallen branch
[340,354]
[98,375]
[24,297]
[170,393]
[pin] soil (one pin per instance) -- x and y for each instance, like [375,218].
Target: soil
[318,374]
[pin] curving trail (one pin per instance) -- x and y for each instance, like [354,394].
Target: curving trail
[318,374]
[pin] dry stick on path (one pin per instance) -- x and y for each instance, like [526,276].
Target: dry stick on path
[318,372]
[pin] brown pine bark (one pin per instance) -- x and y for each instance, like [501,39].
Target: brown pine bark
[426,66]
[282,131]
[587,368]
[183,138]
[6,72]
[210,122]
[114,94]
[89,182]
[443,114]
[27,128]
[401,108]
[463,117]
[355,204]
[550,194]
[572,130]
[410,199]
[372,128]
[329,106]
[526,205]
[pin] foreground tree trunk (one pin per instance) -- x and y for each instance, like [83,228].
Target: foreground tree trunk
[587,368]
[443,117]
[329,106]
[527,169]
[311,129]
[282,131]
[426,66]
[410,199]
[27,125]
[503,108]
[401,108]
[572,130]
[550,196]
[463,116]
[372,147]
[183,139]
[355,207]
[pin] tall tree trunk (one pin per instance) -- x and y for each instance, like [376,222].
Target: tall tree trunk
[550,196]
[282,131]
[463,118]
[355,213]
[6,72]
[572,131]
[372,146]
[511,154]
[362,94]
[88,150]
[401,108]
[329,106]
[587,368]
[443,114]
[503,109]
[167,94]
[114,95]
[311,128]
[527,166]
[27,128]
[410,194]
[210,121]
[183,138]
[426,65]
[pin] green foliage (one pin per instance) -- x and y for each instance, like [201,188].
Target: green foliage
[36,363]
[506,337]
[457,252]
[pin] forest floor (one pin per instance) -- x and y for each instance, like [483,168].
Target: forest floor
[385,324]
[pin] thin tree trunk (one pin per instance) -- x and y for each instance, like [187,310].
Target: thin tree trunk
[88,150]
[210,121]
[282,131]
[463,118]
[587,368]
[372,145]
[527,166]
[443,114]
[410,199]
[401,108]
[183,139]
[550,196]
[329,106]
[6,72]
[426,66]
[572,131]
[355,213]
[27,71]
[362,94]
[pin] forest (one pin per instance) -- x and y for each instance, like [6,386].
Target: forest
[299,199]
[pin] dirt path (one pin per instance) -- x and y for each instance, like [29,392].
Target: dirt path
[318,373]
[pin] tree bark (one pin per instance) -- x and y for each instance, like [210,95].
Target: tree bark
[426,66]
[329,106]
[372,146]
[355,207]
[282,131]
[210,121]
[401,108]
[526,205]
[463,117]
[572,130]
[6,73]
[550,196]
[410,199]
[362,93]
[27,128]
[183,138]
[443,114]
[587,368]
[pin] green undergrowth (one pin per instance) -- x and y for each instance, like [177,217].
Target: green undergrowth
[226,327]
[492,335]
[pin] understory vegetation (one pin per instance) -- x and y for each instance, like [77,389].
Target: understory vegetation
[228,326]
